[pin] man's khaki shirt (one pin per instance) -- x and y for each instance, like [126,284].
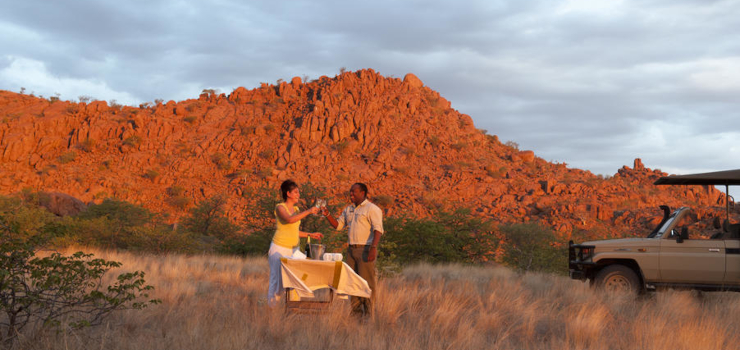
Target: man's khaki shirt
[362,221]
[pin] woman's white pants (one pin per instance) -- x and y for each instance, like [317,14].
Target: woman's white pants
[275,292]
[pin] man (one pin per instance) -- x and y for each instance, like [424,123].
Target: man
[364,222]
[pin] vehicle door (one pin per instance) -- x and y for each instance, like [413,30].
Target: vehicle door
[700,261]
[732,261]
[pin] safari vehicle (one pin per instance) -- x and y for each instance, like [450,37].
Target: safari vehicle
[669,256]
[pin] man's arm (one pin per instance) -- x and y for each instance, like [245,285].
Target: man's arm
[332,221]
[373,253]
[376,221]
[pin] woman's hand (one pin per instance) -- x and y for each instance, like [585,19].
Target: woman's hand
[316,235]
[314,210]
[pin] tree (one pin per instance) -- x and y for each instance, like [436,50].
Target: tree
[46,290]
[208,218]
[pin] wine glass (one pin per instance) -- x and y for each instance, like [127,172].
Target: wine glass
[320,203]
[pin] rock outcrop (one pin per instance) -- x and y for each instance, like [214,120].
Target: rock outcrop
[398,136]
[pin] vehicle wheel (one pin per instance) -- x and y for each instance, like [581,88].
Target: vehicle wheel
[617,278]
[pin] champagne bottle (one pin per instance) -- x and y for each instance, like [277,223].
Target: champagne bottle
[308,247]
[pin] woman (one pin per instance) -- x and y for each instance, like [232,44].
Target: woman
[286,238]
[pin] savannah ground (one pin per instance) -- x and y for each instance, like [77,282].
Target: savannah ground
[217,302]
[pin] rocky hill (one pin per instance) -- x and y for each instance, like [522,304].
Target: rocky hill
[400,137]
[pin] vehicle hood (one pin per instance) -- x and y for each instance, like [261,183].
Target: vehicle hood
[622,243]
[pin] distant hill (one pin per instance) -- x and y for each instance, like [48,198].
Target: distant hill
[400,137]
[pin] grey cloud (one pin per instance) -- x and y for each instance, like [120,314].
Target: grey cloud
[577,87]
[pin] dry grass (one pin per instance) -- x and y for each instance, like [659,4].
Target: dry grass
[211,302]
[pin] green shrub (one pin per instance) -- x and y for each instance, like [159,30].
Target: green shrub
[264,173]
[512,144]
[121,213]
[383,201]
[175,191]
[458,146]
[255,243]
[161,239]
[115,105]
[21,219]
[133,141]
[67,157]
[180,202]
[267,154]
[222,161]
[434,140]
[247,130]
[531,247]
[446,237]
[86,146]
[341,146]
[151,174]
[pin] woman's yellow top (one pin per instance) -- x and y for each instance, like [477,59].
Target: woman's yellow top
[286,235]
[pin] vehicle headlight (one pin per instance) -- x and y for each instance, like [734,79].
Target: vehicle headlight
[586,253]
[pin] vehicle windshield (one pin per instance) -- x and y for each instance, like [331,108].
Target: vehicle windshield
[671,222]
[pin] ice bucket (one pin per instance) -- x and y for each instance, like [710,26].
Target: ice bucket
[317,251]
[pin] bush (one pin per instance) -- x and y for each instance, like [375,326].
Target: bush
[121,213]
[122,225]
[531,247]
[458,146]
[161,239]
[180,202]
[264,173]
[222,161]
[133,141]
[177,198]
[24,220]
[434,140]
[446,237]
[86,146]
[383,201]
[67,157]
[341,146]
[151,174]
[267,154]
[256,243]
[46,291]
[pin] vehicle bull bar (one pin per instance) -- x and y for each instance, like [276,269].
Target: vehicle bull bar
[578,254]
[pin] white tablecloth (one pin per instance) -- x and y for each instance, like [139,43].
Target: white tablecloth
[305,276]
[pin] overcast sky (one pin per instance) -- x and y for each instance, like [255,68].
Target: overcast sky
[593,84]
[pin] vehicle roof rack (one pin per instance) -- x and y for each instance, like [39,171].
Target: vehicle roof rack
[716,178]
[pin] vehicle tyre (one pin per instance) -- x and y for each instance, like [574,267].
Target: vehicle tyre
[617,278]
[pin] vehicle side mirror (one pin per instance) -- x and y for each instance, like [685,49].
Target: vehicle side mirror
[679,239]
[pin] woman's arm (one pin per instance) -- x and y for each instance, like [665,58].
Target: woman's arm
[314,235]
[282,213]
